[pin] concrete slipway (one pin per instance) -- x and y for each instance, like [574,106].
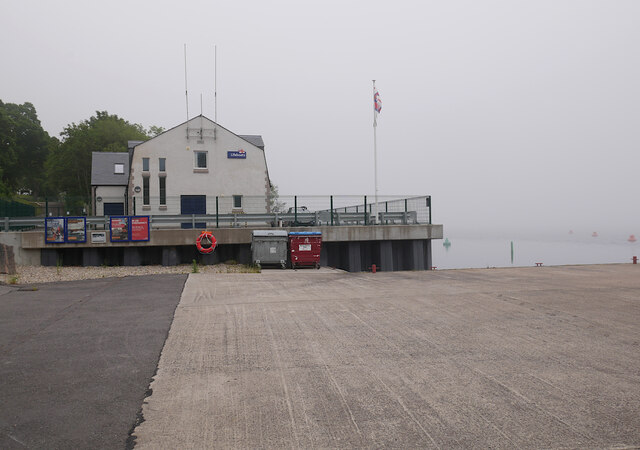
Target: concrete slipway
[490,358]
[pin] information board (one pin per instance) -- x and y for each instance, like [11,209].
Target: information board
[54,230]
[76,229]
[119,227]
[140,228]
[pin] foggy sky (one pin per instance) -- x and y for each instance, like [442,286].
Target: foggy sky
[515,115]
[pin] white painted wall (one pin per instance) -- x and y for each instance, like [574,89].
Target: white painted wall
[109,194]
[224,177]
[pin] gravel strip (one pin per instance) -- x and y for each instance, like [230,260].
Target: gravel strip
[48,274]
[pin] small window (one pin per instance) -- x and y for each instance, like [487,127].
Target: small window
[237,201]
[201,160]
[145,164]
[162,164]
[118,168]
[145,191]
[163,189]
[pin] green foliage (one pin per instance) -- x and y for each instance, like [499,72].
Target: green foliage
[68,167]
[36,165]
[194,268]
[154,131]
[275,205]
[24,148]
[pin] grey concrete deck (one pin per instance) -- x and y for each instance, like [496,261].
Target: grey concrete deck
[504,358]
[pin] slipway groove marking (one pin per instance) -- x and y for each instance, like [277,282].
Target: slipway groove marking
[321,351]
[283,379]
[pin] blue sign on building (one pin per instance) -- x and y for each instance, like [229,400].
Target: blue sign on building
[240,154]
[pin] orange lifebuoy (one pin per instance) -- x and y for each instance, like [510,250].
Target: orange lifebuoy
[207,236]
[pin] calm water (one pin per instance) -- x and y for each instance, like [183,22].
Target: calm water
[494,252]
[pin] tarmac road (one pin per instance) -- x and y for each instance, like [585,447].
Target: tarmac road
[76,359]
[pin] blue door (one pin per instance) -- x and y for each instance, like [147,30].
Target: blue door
[114,209]
[193,204]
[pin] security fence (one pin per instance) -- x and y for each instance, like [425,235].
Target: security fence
[199,211]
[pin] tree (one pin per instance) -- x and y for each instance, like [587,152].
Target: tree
[7,152]
[275,205]
[25,147]
[69,166]
[155,130]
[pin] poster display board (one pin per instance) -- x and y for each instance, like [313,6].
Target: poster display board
[73,230]
[76,229]
[119,228]
[129,228]
[140,228]
[54,230]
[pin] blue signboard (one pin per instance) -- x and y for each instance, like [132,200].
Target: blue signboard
[59,230]
[240,154]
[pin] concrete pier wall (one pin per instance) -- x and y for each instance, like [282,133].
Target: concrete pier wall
[353,248]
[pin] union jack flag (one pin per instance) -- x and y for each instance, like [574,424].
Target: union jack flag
[377,103]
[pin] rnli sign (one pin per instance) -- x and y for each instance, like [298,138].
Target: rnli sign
[239,154]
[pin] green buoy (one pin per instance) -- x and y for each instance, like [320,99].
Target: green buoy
[511,252]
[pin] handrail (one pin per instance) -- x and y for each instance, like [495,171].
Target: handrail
[411,210]
[271,219]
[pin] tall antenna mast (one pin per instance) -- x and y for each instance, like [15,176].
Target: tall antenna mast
[186,95]
[215,83]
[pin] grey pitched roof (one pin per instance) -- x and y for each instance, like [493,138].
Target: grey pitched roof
[131,144]
[254,139]
[103,165]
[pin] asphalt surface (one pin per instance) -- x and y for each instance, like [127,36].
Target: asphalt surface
[76,359]
[494,358]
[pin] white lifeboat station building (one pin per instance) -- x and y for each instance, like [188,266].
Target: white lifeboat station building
[182,171]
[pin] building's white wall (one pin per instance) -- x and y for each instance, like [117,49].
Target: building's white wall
[224,178]
[109,194]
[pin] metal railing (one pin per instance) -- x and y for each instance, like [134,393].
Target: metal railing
[285,211]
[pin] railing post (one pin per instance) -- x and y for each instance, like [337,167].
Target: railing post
[6,224]
[295,210]
[193,221]
[46,207]
[365,210]
[331,210]
[217,219]
[429,207]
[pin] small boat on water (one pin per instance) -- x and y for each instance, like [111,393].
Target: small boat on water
[595,234]
[632,238]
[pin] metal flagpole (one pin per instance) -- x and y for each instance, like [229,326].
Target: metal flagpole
[375,154]
[186,94]
[215,83]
